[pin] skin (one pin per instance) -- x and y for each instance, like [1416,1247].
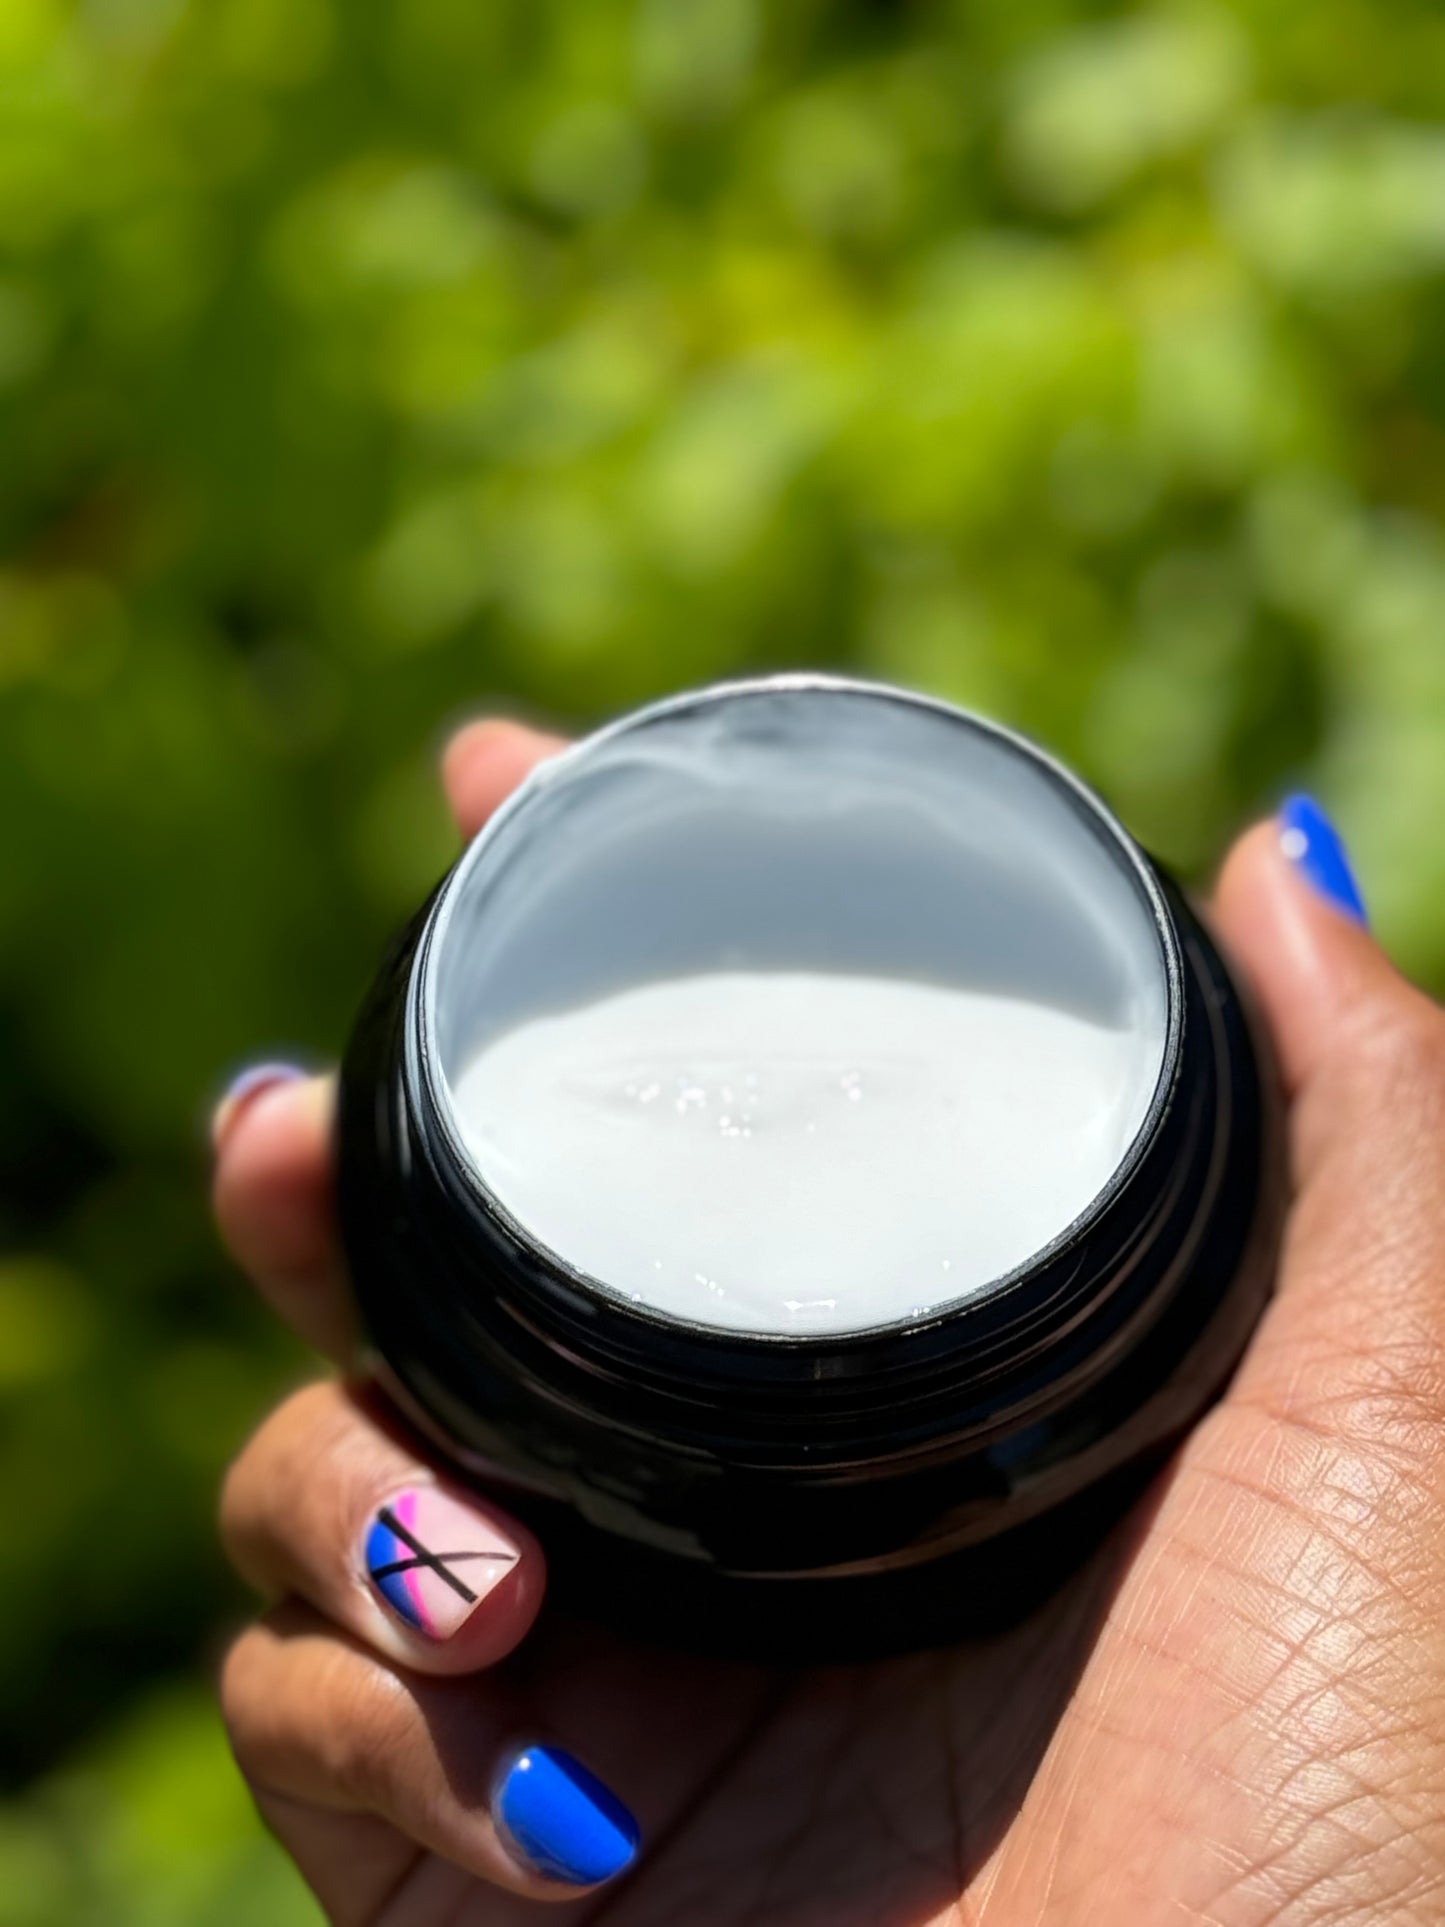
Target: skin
[1235,1715]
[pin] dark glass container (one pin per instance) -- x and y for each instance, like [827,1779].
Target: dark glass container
[808,1492]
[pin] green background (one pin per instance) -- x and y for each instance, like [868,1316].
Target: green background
[365,365]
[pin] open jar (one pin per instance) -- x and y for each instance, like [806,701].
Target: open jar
[811,1158]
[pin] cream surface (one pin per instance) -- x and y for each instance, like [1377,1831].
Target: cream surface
[804,1150]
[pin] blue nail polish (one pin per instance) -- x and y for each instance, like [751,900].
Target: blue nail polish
[559,1819]
[242,1088]
[258,1077]
[1313,845]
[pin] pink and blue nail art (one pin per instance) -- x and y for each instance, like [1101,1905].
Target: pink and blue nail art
[434,1560]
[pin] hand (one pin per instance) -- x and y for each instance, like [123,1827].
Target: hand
[1235,1715]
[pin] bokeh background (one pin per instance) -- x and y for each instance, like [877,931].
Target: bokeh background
[364,363]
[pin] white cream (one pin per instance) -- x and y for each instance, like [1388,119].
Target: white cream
[930,951]
[802,1151]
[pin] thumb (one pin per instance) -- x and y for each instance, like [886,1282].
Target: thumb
[1362,1054]
[1349,1032]
[1290,912]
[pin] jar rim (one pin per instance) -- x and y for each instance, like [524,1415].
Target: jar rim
[546,1265]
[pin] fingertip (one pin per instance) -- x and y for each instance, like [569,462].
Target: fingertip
[485,761]
[273,1201]
[458,1581]
[326,1503]
[1308,955]
[244,1089]
[273,1171]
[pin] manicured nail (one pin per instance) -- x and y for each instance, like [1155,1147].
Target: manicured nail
[1313,846]
[559,1819]
[248,1084]
[434,1561]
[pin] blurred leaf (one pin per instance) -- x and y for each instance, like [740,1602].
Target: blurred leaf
[1086,112]
[45,1321]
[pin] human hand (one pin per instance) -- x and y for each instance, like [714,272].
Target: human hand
[1235,1714]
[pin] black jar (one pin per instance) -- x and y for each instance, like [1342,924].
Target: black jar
[809,1491]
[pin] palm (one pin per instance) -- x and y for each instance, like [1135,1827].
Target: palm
[1140,1745]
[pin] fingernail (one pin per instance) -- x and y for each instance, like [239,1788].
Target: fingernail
[1313,846]
[434,1561]
[245,1086]
[560,1820]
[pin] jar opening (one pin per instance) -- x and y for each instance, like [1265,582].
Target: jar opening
[797,1007]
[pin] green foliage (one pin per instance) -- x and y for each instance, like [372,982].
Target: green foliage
[150,1829]
[364,365]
